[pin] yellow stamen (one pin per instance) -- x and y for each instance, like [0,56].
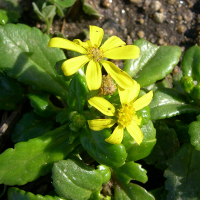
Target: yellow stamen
[95,54]
[126,114]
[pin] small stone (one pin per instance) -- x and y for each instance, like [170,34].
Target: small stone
[190,3]
[106,3]
[133,36]
[136,1]
[198,30]
[179,17]
[141,21]
[140,34]
[188,16]
[161,41]
[129,41]
[155,6]
[125,31]
[171,2]
[181,28]
[158,17]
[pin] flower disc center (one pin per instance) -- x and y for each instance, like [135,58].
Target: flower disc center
[95,54]
[125,114]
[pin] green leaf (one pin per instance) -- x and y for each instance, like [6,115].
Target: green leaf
[170,102]
[191,63]
[131,192]
[31,126]
[77,93]
[3,17]
[94,143]
[130,171]
[42,105]
[30,160]
[37,11]
[49,11]
[167,144]
[12,92]
[62,117]
[194,133]
[181,129]
[183,174]
[105,173]
[135,151]
[88,9]
[154,62]
[65,3]
[73,179]
[17,194]
[27,58]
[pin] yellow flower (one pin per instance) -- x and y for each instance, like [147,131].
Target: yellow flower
[93,54]
[125,116]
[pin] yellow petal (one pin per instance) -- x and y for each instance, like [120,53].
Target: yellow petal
[72,65]
[130,94]
[93,75]
[99,124]
[66,44]
[117,136]
[143,101]
[102,105]
[135,132]
[125,52]
[83,44]
[96,35]
[121,77]
[111,43]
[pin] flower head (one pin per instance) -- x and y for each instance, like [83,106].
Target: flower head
[93,54]
[125,116]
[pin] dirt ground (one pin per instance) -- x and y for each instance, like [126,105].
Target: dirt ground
[163,22]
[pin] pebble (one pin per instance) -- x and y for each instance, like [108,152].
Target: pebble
[155,6]
[140,34]
[181,28]
[190,3]
[161,41]
[141,21]
[129,41]
[179,17]
[188,16]
[158,17]
[171,2]
[106,3]
[136,1]
[198,30]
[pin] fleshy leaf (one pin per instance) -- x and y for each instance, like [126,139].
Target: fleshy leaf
[191,63]
[31,126]
[193,131]
[105,173]
[168,102]
[77,93]
[154,62]
[12,92]
[73,179]
[65,3]
[131,192]
[94,143]
[30,160]
[17,194]
[42,105]
[27,58]
[183,174]
[135,151]
[167,143]
[130,171]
